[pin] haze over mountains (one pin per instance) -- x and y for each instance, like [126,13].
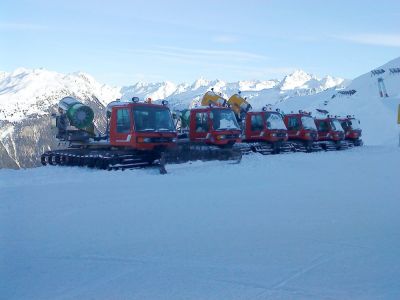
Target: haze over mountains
[28,97]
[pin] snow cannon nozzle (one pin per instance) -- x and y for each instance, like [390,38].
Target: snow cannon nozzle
[135,99]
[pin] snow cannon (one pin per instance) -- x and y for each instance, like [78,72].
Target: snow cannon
[211,98]
[239,105]
[79,115]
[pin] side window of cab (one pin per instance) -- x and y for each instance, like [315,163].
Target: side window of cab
[293,123]
[123,121]
[323,126]
[202,122]
[257,122]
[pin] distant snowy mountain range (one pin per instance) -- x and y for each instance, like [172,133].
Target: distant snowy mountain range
[26,92]
[28,97]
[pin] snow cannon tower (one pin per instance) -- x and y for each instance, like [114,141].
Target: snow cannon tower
[74,121]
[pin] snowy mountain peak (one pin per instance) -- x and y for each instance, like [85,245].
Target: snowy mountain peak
[3,75]
[20,71]
[200,82]
[26,92]
[85,76]
[300,79]
[295,80]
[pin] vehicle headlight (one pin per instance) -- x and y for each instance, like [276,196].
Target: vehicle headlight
[221,137]
[143,140]
[273,134]
[307,134]
[174,140]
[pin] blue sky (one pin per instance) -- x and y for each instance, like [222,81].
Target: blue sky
[120,42]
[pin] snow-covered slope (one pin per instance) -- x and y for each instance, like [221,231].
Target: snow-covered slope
[26,92]
[300,226]
[378,114]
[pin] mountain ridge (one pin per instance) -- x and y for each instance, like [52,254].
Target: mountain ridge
[25,92]
[28,97]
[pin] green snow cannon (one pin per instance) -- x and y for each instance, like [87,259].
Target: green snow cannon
[79,115]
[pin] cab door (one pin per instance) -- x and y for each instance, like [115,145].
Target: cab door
[323,129]
[121,127]
[199,125]
[294,126]
[256,126]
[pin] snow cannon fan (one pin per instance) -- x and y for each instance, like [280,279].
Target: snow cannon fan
[79,115]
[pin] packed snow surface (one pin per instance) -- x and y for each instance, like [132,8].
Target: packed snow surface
[298,226]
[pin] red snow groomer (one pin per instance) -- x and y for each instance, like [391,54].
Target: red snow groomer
[207,132]
[137,134]
[265,132]
[302,131]
[330,133]
[262,131]
[352,130]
